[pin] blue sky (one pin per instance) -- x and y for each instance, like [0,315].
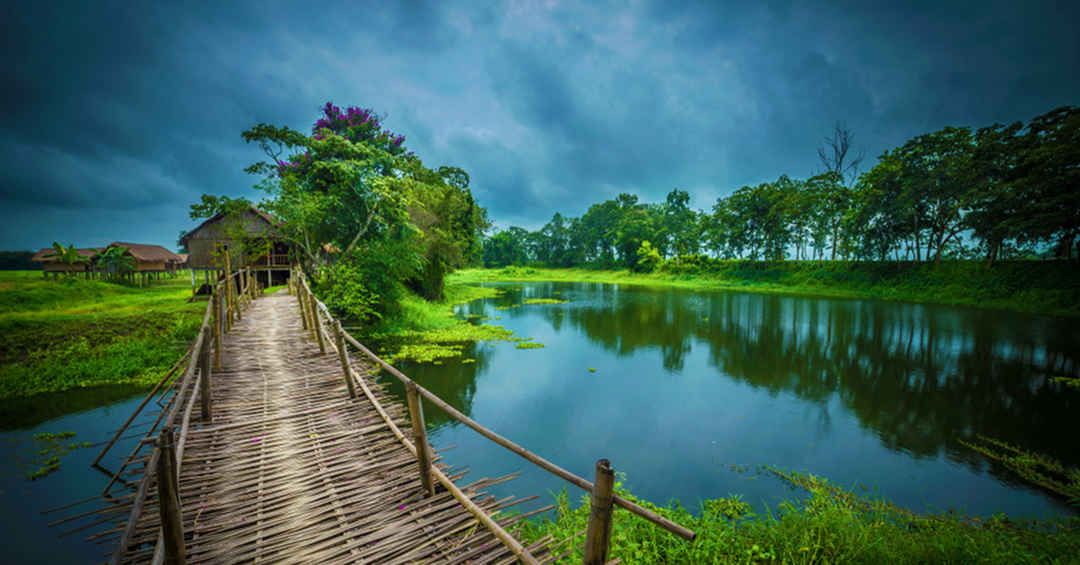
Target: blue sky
[117,116]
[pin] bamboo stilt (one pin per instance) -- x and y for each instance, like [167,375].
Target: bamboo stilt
[204,380]
[169,500]
[599,529]
[423,450]
[343,355]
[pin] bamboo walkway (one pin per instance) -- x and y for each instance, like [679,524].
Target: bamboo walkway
[289,469]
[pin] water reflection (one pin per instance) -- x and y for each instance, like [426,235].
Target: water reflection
[919,377]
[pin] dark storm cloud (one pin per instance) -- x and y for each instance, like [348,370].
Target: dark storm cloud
[117,116]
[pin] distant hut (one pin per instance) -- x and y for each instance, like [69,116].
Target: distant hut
[178,262]
[251,238]
[50,264]
[150,260]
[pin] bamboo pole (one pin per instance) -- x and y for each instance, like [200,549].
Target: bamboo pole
[204,381]
[219,327]
[315,322]
[599,530]
[169,500]
[423,450]
[343,355]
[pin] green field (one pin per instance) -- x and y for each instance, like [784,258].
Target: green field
[1048,287]
[74,333]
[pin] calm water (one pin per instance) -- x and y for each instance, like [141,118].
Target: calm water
[686,386]
[689,384]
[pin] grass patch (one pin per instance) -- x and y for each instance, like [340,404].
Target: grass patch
[830,526]
[273,289]
[1049,287]
[74,333]
[429,331]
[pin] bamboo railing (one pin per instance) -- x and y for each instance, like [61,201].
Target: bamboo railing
[315,314]
[163,465]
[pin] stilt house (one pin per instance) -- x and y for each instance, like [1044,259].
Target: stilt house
[250,238]
[50,264]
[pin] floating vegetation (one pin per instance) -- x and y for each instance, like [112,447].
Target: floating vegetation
[545,301]
[51,447]
[510,307]
[592,369]
[468,360]
[528,345]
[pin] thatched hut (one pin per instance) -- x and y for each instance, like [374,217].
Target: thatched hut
[150,260]
[50,264]
[250,238]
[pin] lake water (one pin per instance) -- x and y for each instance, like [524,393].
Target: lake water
[694,391]
[686,386]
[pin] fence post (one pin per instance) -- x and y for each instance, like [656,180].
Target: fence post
[204,378]
[172,524]
[343,354]
[315,322]
[423,451]
[599,529]
[219,328]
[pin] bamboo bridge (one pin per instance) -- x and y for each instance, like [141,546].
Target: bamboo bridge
[275,444]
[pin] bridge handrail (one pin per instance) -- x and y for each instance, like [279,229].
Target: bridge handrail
[533,458]
[228,305]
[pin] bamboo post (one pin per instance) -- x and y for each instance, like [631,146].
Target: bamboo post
[343,355]
[315,322]
[169,500]
[423,450]
[219,327]
[228,284]
[599,529]
[204,381]
[303,307]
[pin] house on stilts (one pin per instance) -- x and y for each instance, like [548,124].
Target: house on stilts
[249,238]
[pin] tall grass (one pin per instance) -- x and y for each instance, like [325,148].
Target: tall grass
[829,526]
[74,333]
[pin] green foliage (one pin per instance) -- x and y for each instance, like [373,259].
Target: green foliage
[210,206]
[648,258]
[60,335]
[830,526]
[49,448]
[17,260]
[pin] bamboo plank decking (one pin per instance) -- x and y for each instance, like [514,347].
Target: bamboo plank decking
[290,470]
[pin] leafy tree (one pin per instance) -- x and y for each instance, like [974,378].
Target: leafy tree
[648,258]
[68,256]
[1047,176]
[117,261]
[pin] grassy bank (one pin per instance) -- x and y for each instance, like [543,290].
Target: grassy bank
[73,333]
[428,331]
[830,525]
[1027,286]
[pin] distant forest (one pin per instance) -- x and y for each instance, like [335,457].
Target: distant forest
[17,261]
[1002,191]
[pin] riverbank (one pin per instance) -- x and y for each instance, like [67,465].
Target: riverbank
[831,525]
[1043,287]
[61,335]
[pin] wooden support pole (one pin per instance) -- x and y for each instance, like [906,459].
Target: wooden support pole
[219,327]
[303,307]
[315,322]
[343,355]
[172,524]
[423,450]
[599,529]
[204,381]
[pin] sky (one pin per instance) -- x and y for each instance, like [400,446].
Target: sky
[117,116]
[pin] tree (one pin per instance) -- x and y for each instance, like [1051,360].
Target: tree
[1047,177]
[69,257]
[834,154]
[117,261]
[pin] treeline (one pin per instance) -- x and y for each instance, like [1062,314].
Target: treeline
[17,261]
[1002,191]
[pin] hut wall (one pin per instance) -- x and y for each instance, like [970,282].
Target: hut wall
[55,267]
[143,266]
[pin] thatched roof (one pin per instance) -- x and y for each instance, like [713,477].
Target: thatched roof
[181,258]
[42,256]
[270,221]
[146,252]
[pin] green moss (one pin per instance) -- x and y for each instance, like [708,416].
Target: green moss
[544,301]
[528,345]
